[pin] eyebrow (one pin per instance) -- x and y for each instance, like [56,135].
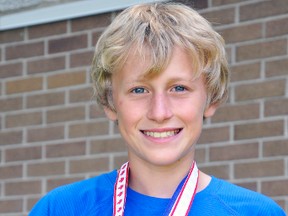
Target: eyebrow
[170,81]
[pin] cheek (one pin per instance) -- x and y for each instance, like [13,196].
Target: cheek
[129,111]
[119,105]
[193,116]
[190,109]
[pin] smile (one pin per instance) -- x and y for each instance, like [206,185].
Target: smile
[163,134]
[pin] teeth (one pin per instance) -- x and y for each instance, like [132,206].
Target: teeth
[161,134]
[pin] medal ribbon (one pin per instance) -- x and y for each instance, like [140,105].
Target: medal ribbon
[181,201]
[120,190]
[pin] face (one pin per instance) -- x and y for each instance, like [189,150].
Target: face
[160,118]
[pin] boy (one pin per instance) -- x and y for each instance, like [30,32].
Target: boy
[159,69]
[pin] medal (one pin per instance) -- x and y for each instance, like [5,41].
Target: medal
[181,201]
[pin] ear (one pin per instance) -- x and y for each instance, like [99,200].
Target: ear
[210,110]
[111,114]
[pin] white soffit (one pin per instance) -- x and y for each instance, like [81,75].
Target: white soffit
[64,12]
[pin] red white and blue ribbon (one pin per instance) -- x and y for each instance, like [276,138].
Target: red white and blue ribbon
[181,201]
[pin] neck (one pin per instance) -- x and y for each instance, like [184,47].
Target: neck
[161,181]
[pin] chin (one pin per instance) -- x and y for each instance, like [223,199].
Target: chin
[165,160]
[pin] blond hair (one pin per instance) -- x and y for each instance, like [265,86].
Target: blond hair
[157,28]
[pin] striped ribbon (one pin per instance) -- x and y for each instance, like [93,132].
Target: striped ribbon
[181,201]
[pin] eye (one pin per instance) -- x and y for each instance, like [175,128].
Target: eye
[179,88]
[139,90]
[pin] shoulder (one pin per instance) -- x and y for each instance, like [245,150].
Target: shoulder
[242,201]
[99,183]
[83,195]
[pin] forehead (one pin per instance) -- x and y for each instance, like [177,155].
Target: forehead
[140,66]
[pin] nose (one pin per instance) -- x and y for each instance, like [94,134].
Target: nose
[159,108]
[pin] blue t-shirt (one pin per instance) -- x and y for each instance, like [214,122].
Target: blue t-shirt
[94,196]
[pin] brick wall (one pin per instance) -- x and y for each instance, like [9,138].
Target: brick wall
[52,133]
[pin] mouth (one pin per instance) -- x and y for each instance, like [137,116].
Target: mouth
[161,134]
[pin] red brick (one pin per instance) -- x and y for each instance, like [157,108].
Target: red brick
[277,27]
[200,155]
[277,68]
[45,30]
[81,95]
[224,2]
[81,59]
[22,188]
[11,205]
[25,50]
[31,202]
[245,72]
[46,65]
[24,85]
[280,202]
[259,169]
[195,4]
[46,169]
[237,113]
[234,152]
[260,90]
[119,161]
[276,107]
[107,146]
[96,112]
[65,44]
[261,50]
[66,114]
[10,172]
[259,130]
[66,79]
[11,36]
[23,119]
[88,129]
[220,171]
[249,185]
[11,70]
[95,37]
[66,149]
[262,9]
[11,104]
[239,33]
[23,153]
[45,134]
[275,187]
[89,165]
[275,148]
[91,22]
[216,134]
[229,54]
[220,17]
[53,183]
[115,128]
[46,100]
[11,137]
